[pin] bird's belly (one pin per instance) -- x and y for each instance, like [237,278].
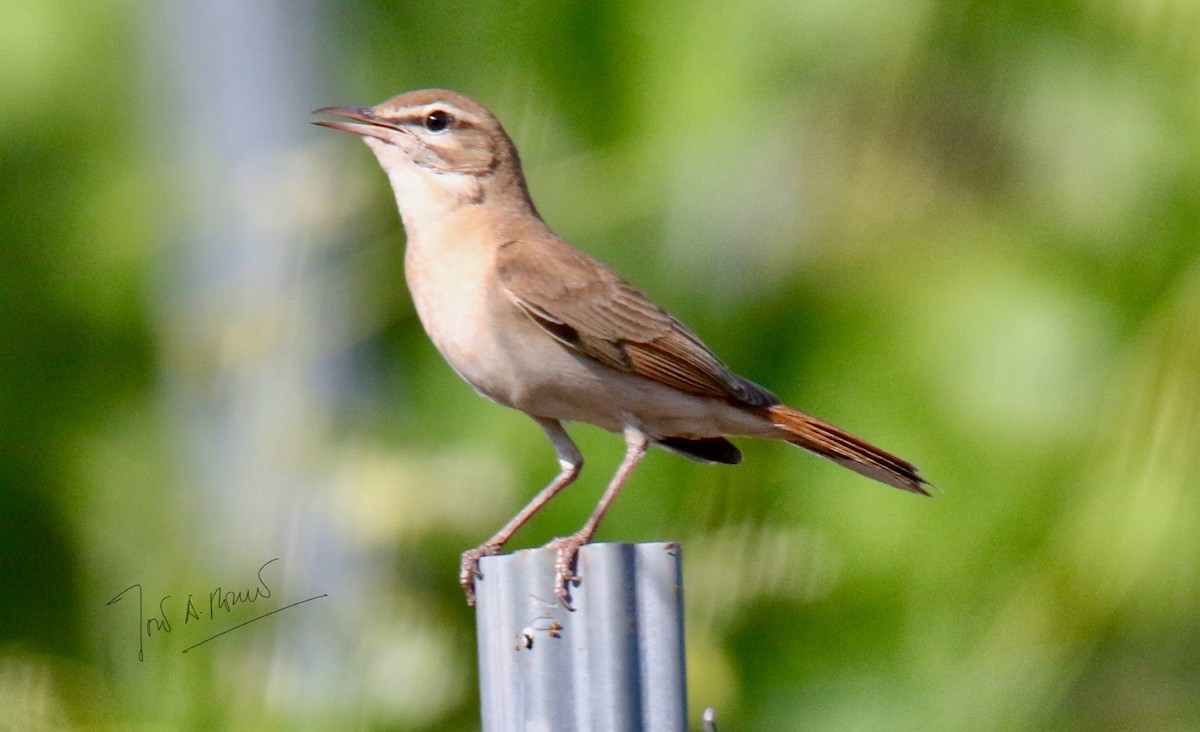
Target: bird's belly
[464,340]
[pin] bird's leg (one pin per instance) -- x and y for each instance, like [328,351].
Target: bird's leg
[636,443]
[571,461]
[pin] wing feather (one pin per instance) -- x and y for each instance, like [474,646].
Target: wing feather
[589,309]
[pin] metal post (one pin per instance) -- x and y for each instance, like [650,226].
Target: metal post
[616,663]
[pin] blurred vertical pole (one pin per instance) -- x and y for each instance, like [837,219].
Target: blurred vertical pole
[252,327]
[615,664]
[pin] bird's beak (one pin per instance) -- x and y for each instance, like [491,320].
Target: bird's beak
[363,121]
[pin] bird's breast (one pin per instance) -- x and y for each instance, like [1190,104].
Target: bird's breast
[450,279]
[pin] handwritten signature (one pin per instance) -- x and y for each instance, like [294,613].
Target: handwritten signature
[220,603]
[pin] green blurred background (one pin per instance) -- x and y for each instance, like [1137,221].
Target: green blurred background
[968,231]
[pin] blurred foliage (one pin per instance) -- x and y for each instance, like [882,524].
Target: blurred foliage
[969,232]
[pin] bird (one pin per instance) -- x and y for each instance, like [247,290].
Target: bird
[535,324]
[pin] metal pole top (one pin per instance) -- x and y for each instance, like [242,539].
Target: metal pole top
[616,663]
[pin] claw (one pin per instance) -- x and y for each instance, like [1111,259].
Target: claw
[568,549]
[469,570]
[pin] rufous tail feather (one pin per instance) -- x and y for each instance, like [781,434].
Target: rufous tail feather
[845,449]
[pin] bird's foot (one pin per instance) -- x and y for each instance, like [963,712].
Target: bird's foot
[568,549]
[469,569]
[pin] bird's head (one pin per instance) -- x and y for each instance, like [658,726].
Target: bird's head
[434,141]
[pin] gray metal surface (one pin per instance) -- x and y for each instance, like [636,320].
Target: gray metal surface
[616,663]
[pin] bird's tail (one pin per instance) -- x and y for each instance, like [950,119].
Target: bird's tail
[845,449]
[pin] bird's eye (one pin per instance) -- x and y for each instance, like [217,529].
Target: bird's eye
[438,121]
